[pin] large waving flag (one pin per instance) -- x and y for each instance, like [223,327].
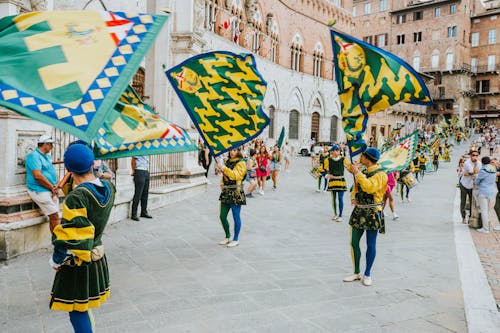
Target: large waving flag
[133,129]
[222,93]
[69,68]
[398,156]
[371,80]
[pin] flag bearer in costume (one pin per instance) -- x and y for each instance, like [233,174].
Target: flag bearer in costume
[232,196]
[323,170]
[422,161]
[366,197]
[402,185]
[334,166]
[435,159]
[82,278]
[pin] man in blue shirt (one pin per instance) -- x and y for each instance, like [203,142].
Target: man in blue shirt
[41,180]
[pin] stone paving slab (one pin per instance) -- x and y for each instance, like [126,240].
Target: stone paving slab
[168,274]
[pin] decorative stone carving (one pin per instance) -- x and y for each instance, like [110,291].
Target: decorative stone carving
[250,10]
[37,5]
[269,23]
[26,143]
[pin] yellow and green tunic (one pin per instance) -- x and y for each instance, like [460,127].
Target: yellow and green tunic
[369,188]
[336,167]
[232,182]
[83,280]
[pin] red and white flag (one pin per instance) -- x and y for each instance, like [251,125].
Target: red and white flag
[227,23]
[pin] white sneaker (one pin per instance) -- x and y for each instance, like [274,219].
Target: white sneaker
[483,231]
[395,216]
[338,219]
[261,192]
[497,228]
[318,190]
[408,200]
[233,244]
[352,278]
[367,281]
[225,241]
[334,217]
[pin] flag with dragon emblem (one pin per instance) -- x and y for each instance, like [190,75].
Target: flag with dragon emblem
[69,68]
[222,93]
[370,80]
[398,156]
[133,129]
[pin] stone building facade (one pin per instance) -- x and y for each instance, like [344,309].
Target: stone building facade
[291,43]
[485,60]
[292,46]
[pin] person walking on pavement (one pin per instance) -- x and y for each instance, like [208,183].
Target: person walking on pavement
[391,183]
[140,172]
[82,277]
[263,171]
[232,196]
[275,165]
[366,197]
[469,172]
[286,156]
[41,180]
[487,192]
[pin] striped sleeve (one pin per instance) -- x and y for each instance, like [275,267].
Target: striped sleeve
[76,232]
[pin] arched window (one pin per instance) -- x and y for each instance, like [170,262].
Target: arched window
[435,59]
[293,125]
[315,119]
[416,63]
[333,128]
[138,82]
[273,31]
[272,114]
[297,55]
[449,61]
[318,60]
[257,35]
[210,14]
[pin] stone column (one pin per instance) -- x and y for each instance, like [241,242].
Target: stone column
[186,41]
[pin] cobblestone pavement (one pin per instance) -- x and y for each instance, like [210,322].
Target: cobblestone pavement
[168,274]
[488,248]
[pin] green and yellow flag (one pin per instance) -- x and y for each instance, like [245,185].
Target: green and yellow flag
[133,129]
[69,68]
[398,156]
[370,80]
[222,93]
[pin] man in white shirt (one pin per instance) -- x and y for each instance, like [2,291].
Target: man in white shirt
[469,172]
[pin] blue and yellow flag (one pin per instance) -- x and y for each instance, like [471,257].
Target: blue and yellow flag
[69,68]
[399,156]
[133,129]
[222,93]
[371,80]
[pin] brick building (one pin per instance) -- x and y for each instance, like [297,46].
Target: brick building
[292,46]
[485,59]
[434,36]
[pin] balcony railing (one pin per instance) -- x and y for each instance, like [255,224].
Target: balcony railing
[495,68]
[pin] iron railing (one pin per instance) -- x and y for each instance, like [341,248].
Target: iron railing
[164,169]
[63,140]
